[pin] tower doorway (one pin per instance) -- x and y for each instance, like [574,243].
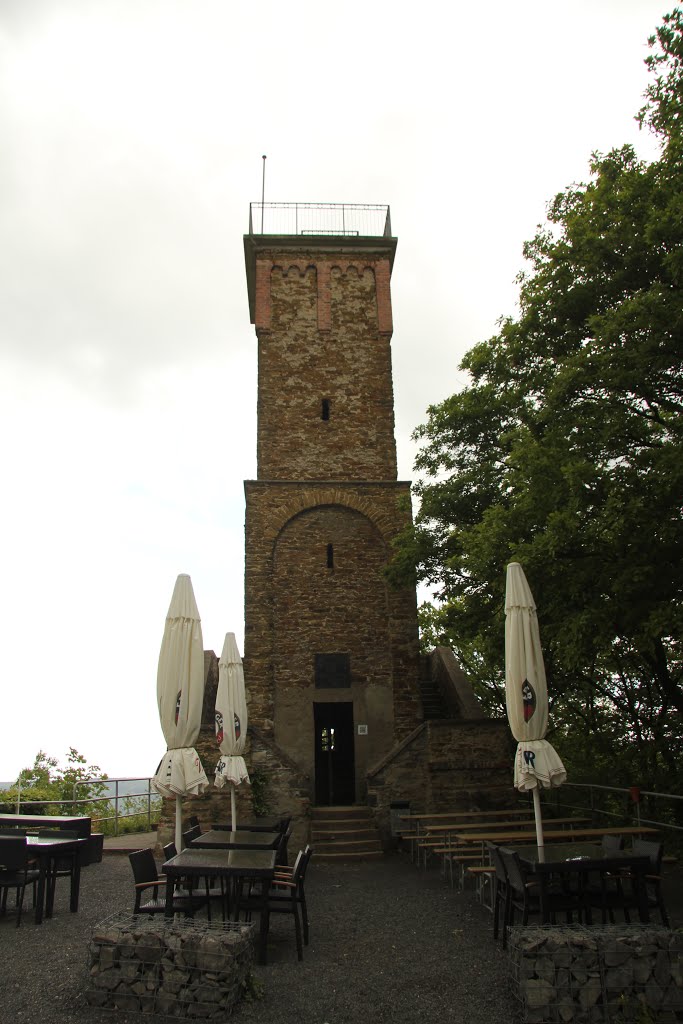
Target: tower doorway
[335,776]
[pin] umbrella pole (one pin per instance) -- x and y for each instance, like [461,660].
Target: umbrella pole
[539,824]
[233,807]
[178,823]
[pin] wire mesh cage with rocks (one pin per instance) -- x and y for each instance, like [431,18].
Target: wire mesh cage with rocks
[614,974]
[182,969]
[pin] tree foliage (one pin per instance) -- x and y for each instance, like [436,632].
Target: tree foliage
[47,788]
[565,453]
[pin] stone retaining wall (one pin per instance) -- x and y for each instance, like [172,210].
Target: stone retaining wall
[618,973]
[185,968]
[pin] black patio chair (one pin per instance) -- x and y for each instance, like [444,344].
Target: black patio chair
[606,893]
[285,877]
[524,893]
[653,879]
[147,879]
[284,897]
[16,872]
[191,833]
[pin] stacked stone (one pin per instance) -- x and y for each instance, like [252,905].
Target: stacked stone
[187,968]
[617,973]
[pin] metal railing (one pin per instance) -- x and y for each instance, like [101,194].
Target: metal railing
[354,219]
[620,804]
[145,803]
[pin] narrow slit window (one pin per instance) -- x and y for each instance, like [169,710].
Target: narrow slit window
[330,556]
[326,409]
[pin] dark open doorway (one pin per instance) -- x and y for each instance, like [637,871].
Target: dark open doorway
[335,777]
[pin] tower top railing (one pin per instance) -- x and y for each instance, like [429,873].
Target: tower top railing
[344,219]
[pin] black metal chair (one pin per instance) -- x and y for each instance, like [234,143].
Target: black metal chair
[653,879]
[607,892]
[287,876]
[285,896]
[16,872]
[191,833]
[524,894]
[147,878]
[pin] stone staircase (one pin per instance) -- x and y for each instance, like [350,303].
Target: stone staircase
[344,833]
[433,704]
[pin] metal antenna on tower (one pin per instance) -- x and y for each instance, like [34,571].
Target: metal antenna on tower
[263,188]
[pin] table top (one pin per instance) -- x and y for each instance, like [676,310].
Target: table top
[242,839]
[49,842]
[578,857]
[457,815]
[552,834]
[47,821]
[222,862]
[473,826]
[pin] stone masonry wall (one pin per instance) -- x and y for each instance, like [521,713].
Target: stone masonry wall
[444,766]
[297,606]
[308,354]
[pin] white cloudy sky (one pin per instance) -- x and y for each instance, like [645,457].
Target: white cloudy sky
[131,135]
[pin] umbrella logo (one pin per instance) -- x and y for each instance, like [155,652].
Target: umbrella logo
[530,759]
[528,699]
[237,728]
[177,706]
[219,727]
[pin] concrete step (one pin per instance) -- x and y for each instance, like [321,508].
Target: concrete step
[358,847]
[353,811]
[342,832]
[345,858]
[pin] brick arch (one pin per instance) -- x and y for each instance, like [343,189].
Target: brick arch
[287,266]
[359,266]
[314,497]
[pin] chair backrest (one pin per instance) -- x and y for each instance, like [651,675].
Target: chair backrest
[298,866]
[13,832]
[513,869]
[308,853]
[283,824]
[281,845]
[144,866]
[498,863]
[193,821]
[612,844]
[192,833]
[648,848]
[13,853]
[170,851]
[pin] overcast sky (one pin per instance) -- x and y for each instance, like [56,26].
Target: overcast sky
[131,135]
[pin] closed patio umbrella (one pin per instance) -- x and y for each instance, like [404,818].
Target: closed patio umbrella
[526,695]
[231,721]
[180,695]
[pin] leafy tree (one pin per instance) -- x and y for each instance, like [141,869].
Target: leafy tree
[565,452]
[44,785]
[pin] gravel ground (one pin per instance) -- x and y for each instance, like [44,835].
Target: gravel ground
[389,943]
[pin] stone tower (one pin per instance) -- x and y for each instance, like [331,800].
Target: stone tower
[331,650]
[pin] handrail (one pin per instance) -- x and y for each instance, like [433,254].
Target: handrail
[356,219]
[153,799]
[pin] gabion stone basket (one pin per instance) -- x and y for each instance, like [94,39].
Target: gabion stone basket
[613,974]
[184,968]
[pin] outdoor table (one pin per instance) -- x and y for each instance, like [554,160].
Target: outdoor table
[232,865]
[509,825]
[578,859]
[73,822]
[517,836]
[48,851]
[242,839]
